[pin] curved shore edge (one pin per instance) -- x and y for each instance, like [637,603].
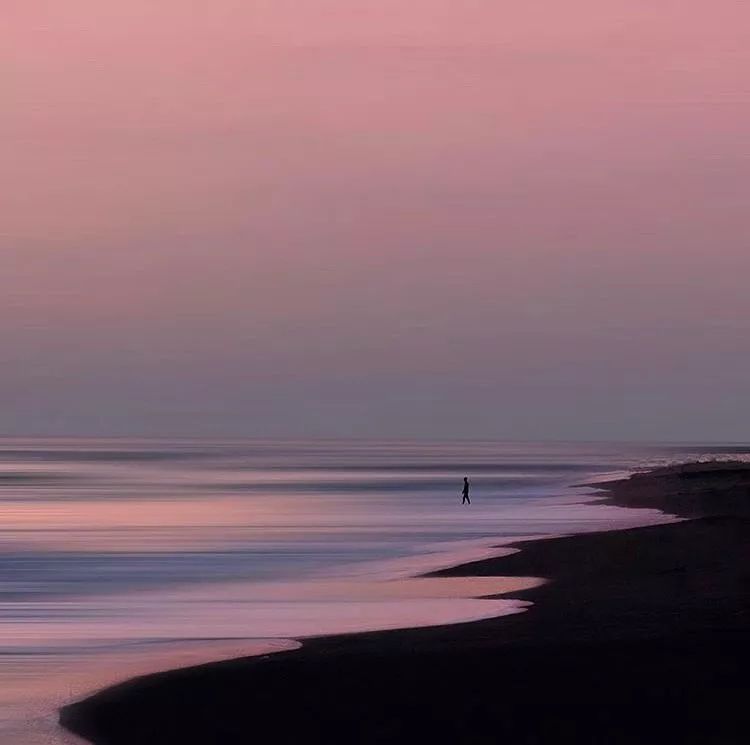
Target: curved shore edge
[640,636]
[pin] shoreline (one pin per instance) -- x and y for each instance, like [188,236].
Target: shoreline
[623,614]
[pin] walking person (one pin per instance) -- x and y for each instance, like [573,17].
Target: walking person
[465,491]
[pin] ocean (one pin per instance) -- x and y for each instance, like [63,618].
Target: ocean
[123,556]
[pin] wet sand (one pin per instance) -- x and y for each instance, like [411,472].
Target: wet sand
[640,636]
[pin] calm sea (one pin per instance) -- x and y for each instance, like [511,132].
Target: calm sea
[123,556]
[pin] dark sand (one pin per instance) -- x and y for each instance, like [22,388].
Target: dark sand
[640,637]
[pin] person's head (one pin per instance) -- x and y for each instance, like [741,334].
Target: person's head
[466,478]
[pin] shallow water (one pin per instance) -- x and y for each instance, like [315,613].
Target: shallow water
[124,556]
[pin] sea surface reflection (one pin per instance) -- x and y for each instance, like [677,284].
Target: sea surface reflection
[120,557]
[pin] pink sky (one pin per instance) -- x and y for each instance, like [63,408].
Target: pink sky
[377,217]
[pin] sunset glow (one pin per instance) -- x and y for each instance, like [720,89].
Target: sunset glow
[479,218]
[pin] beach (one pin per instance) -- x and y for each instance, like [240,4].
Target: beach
[637,636]
[125,557]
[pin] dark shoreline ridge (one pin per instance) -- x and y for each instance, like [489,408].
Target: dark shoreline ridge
[641,636]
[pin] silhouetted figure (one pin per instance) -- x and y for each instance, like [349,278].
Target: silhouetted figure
[465,492]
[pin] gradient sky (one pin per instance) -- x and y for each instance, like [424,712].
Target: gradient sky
[365,218]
